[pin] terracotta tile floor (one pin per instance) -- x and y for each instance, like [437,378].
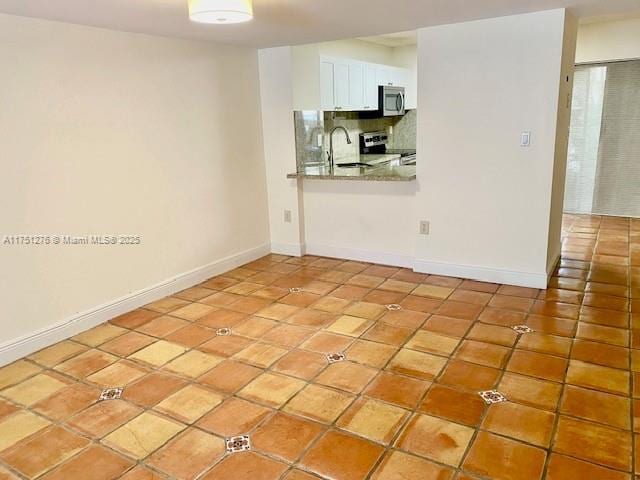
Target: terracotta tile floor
[242,354]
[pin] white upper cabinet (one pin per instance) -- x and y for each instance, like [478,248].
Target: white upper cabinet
[370,87]
[384,76]
[356,86]
[392,76]
[341,85]
[400,77]
[327,93]
[350,85]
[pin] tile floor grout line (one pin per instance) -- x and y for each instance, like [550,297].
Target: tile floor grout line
[563,388]
[557,410]
[407,340]
[433,382]
[161,414]
[557,414]
[354,400]
[391,445]
[478,427]
[259,339]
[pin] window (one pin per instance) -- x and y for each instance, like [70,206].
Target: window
[603,166]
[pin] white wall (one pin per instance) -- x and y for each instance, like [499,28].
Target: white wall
[407,57]
[279,150]
[494,207]
[562,141]
[605,41]
[357,50]
[488,199]
[306,77]
[107,132]
[367,221]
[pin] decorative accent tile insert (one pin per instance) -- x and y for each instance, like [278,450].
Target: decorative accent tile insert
[223,332]
[110,394]
[393,306]
[522,329]
[237,444]
[492,396]
[335,357]
[295,290]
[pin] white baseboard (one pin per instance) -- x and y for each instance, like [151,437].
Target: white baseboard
[28,344]
[509,277]
[551,266]
[291,249]
[382,258]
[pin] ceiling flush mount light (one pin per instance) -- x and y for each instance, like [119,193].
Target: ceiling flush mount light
[220,11]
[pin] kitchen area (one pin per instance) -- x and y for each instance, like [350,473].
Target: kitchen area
[355,109]
[340,124]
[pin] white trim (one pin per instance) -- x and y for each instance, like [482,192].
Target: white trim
[346,253]
[551,266]
[27,344]
[493,275]
[291,249]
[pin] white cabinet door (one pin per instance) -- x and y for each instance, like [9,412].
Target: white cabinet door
[356,86]
[327,90]
[370,87]
[392,76]
[341,85]
[384,75]
[399,77]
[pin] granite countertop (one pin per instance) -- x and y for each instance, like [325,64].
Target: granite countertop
[382,168]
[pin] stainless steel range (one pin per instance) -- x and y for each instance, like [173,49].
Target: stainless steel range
[375,143]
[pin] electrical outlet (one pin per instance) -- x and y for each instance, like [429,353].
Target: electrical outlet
[424,227]
[287,216]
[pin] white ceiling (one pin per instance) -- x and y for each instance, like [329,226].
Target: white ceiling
[290,22]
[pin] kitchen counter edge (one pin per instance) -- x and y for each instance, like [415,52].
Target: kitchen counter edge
[362,178]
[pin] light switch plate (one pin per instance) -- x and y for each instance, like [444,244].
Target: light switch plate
[525,139]
[424,227]
[287,216]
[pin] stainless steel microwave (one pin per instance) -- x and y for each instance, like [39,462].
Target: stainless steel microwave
[391,101]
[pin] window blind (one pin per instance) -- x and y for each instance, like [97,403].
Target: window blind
[617,180]
[584,138]
[603,166]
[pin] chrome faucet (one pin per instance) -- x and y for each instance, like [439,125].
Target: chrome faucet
[330,152]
